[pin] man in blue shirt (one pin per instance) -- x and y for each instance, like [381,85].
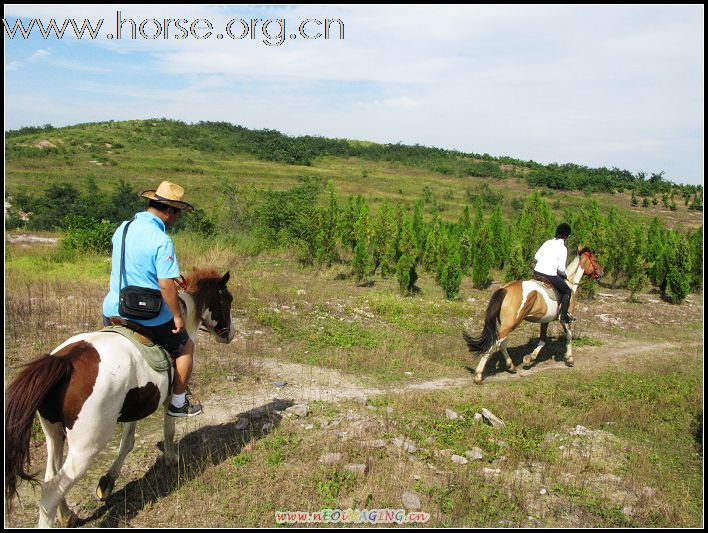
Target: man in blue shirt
[151,262]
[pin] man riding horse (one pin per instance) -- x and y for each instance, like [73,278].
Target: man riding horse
[528,300]
[550,267]
[150,261]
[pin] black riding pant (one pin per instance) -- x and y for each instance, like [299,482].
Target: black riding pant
[562,287]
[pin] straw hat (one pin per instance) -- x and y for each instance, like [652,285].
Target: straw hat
[168,193]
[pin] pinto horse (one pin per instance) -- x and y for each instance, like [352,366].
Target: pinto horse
[528,300]
[86,386]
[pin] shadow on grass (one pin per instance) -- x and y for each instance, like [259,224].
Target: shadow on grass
[553,349]
[198,450]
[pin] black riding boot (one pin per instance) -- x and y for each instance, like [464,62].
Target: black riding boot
[565,303]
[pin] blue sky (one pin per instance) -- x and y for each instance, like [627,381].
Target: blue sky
[596,85]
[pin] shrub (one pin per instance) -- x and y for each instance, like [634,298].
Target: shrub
[197,221]
[87,236]
[515,267]
[481,265]
[451,276]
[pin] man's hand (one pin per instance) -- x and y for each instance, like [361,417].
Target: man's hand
[179,324]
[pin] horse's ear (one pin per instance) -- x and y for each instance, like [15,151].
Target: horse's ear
[225,279]
[580,248]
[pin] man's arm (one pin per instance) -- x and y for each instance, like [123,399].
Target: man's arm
[168,288]
[562,256]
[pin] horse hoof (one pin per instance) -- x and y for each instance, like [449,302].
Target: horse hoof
[105,487]
[511,370]
[72,520]
[527,359]
[570,363]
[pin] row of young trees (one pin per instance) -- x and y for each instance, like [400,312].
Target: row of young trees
[398,239]
[694,201]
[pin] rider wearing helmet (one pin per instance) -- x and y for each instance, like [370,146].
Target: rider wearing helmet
[550,266]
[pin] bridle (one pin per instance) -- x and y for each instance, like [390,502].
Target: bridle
[594,276]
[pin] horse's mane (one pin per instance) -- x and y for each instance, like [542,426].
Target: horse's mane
[586,249]
[199,278]
[193,279]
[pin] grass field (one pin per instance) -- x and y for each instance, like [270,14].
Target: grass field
[372,365]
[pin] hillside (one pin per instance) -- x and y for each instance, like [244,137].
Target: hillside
[201,156]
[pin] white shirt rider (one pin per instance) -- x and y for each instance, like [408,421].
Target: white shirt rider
[551,258]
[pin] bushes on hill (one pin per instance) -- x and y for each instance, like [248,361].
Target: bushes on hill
[272,145]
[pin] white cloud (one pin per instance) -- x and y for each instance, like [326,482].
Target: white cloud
[13,65]
[39,54]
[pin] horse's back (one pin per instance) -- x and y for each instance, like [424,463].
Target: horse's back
[110,382]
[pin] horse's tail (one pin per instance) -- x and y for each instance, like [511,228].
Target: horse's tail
[491,321]
[24,397]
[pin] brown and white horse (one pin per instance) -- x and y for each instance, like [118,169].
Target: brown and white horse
[85,387]
[528,300]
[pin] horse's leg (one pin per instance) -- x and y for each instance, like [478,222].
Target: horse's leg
[482,362]
[108,481]
[509,363]
[170,456]
[86,439]
[530,358]
[508,320]
[54,490]
[54,437]
[568,345]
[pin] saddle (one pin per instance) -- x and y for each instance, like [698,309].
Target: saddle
[155,355]
[550,289]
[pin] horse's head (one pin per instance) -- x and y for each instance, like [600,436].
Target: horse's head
[213,303]
[589,264]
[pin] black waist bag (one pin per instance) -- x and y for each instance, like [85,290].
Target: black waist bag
[138,303]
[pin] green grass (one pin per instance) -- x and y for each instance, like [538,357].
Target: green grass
[585,340]
[51,265]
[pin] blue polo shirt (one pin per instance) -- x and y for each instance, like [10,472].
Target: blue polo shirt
[149,255]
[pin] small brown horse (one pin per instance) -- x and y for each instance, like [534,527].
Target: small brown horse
[85,387]
[528,300]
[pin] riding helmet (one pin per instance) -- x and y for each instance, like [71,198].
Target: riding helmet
[562,231]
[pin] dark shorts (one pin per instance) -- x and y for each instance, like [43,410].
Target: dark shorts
[162,335]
